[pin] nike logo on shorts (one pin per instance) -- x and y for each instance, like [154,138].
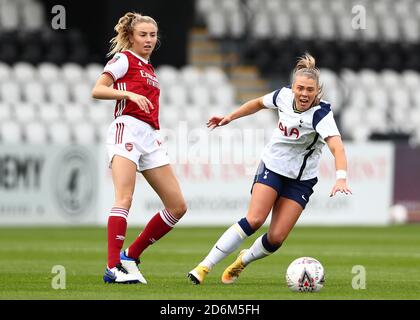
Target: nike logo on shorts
[303,197]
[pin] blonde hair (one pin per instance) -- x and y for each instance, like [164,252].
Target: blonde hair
[306,66]
[124,29]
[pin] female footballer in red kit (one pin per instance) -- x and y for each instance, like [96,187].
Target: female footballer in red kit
[133,144]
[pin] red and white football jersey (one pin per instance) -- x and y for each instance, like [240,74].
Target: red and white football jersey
[133,73]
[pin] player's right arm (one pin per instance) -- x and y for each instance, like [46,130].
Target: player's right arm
[114,70]
[244,110]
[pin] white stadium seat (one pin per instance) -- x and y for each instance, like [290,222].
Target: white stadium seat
[11,132]
[167,75]
[5,71]
[72,72]
[48,72]
[32,15]
[74,113]
[10,92]
[58,92]
[214,76]
[6,112]
[23,72]
[34,92]
[26,112]
[190,75]
[35,133]
[199,95]
[93,71]
[177,95]
[99,114]
[50,113]
[9,15]
[84,133]
[60,133]
[81,92]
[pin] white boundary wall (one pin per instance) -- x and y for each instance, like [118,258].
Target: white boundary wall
[52,185]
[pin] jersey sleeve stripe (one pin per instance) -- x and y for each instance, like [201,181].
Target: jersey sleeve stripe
[111,74]
[320,113]
[275,97]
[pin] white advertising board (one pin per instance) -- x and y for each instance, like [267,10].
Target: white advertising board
[48,185]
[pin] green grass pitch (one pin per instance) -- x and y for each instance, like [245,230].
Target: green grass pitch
[390,256]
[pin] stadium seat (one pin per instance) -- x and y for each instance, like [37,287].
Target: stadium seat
[99,114]
[93,71]
[50,113]
[10,92]
[84,133]
[9,15]
[23,71]
[11,133]
[32,15]
[6,112]
[177,95]
[72,72]
[190,75]
[60,133]
[74,113]
[26,112]
[81,92]
[194,116]
[199,95]
[58,93]
[4,71]
[224,95]
[214,76]
[167,75]
[35,133]
[48,72]
[34,92]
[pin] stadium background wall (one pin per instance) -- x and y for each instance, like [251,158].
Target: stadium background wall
[71,185]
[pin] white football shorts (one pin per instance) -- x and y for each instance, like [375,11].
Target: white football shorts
[137,141]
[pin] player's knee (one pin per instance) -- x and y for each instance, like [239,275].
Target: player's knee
[255,222]
[179,210]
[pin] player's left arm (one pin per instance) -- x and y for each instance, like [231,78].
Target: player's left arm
[336,146]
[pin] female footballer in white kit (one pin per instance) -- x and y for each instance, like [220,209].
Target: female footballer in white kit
[288,170]
[133,144]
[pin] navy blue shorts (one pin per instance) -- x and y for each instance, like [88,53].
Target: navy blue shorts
[297,190]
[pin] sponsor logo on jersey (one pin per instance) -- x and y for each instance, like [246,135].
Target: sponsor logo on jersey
[129,146]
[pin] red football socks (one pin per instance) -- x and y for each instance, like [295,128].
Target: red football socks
[156,228]
[117,227]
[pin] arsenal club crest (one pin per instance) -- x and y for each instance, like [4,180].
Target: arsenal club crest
[129,146]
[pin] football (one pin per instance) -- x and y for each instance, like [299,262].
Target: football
[305,274]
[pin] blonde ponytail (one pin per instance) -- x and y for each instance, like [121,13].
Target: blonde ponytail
[306,66]
[124,29]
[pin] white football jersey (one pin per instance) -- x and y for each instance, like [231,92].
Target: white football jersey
[295,147]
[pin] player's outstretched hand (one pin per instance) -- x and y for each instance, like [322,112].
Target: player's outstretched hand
[218,122]
[143,103]
[340,186]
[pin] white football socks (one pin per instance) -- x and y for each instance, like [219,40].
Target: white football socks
[227,243]
[255,252]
